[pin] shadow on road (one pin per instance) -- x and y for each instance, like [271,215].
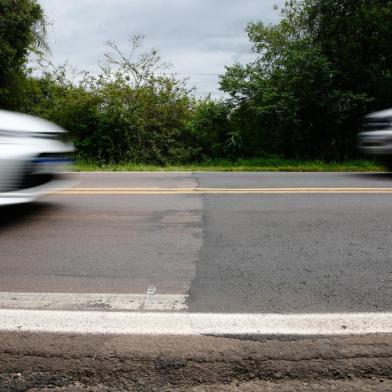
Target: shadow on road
[373,176]
[23,214]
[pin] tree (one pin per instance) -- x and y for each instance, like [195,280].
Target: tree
[317,72]
[22,31]
[210,128]
[134,110]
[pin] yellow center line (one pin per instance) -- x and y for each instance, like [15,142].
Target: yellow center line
[166,191]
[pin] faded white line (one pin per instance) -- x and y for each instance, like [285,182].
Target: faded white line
[137,323]
[149,298]
[93,301]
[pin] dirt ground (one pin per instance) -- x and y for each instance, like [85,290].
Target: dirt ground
[37,362]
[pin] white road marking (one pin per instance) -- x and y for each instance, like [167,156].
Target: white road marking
[92,301]
[150,294]
[137,323]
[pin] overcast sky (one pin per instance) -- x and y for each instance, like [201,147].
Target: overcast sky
[198,37]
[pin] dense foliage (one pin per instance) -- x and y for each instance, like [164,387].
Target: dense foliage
[128,112]
[318,71]
[133,110]
[22,31]
[315,74]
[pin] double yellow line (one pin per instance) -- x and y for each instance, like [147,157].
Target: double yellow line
[202,191]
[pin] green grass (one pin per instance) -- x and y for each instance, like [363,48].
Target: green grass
[242,165]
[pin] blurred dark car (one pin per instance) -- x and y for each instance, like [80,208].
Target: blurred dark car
[376,137]
[33,153]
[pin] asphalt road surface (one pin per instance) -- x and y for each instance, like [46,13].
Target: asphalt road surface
[223,252]
[237,281]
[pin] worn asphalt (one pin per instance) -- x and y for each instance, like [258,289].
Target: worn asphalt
[231,253]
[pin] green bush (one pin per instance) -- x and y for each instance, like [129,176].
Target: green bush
[129,112]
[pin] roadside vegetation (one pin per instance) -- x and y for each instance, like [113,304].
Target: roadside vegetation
[315,74]
[240,165]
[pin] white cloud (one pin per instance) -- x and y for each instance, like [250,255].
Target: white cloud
[199,37]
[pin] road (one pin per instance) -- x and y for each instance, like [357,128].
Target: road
[203,243]
[250,253]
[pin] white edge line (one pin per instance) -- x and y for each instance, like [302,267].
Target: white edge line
[164,323]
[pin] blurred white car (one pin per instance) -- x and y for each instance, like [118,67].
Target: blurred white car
[33,153]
